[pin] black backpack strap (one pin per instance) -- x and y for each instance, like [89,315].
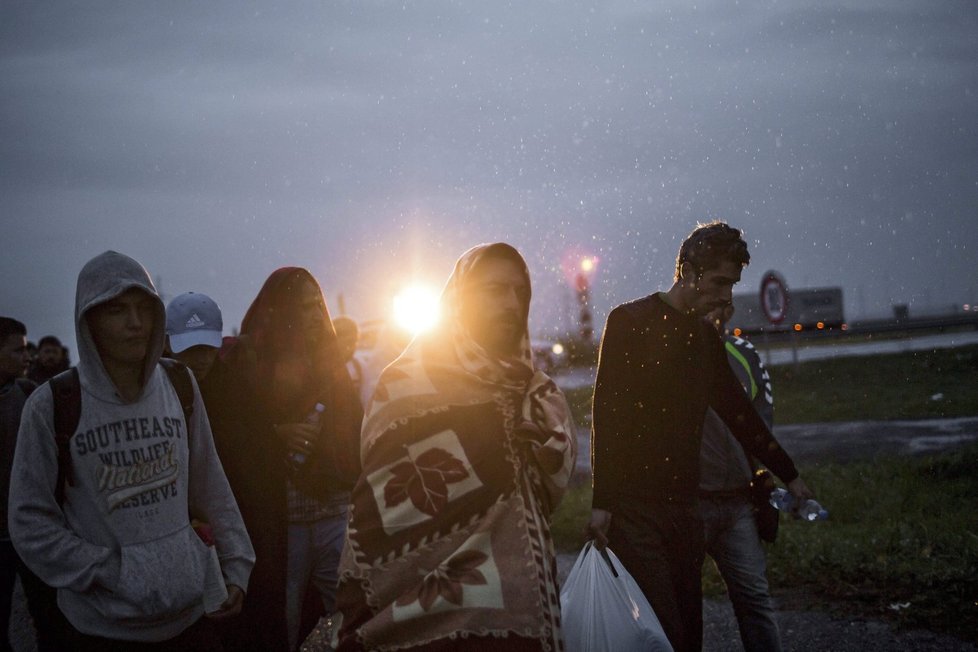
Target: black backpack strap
[66,394]
[179,375]
[26,386]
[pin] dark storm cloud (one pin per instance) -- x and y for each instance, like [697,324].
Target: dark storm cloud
[372,141]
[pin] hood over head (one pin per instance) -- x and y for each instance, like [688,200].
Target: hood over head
[102,279]
[292,368]
[513,371]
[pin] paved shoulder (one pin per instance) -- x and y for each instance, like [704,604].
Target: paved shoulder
[865,440]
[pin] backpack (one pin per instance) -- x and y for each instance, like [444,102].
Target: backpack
[66,392]
[26,385]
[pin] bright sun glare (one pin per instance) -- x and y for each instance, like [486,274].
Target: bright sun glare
[417,309]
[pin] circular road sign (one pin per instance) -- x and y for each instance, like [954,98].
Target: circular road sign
[774,297]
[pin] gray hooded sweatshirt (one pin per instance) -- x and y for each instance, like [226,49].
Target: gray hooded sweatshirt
[120,549]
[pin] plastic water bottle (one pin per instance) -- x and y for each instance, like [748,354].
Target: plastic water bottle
[298,459]
[809,510]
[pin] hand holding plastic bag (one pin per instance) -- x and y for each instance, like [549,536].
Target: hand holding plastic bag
[602,609]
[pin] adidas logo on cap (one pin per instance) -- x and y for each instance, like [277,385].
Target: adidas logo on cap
[191,320]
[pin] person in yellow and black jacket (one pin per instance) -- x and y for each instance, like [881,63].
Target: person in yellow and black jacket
[733,540]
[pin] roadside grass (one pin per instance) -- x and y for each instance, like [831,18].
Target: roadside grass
[940,383]
[901,541]
[935,384]
[902,538]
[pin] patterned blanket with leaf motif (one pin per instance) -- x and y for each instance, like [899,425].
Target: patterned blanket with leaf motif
[449,538]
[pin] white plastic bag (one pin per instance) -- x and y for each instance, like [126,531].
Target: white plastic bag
[603,610]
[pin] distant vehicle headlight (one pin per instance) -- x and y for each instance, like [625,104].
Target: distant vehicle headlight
[417,309]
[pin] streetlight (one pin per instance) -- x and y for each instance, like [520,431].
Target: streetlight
[582,283]
[579,267]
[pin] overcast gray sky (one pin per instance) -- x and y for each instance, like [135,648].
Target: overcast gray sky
[374,142]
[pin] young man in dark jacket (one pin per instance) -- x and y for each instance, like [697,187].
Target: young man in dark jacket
[660,367]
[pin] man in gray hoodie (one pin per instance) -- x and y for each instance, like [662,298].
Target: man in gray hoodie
[129,568]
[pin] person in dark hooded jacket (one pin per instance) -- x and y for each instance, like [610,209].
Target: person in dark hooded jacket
[260,395]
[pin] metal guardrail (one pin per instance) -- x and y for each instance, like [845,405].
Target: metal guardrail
[870,327]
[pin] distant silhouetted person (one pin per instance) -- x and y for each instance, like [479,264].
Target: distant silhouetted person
[347,335]
[41,599]
[661,365]
[390,343]
[51,360]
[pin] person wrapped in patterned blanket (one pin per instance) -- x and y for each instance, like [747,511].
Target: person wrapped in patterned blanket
[466,451]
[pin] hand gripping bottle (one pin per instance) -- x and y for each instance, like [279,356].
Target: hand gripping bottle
[809,510]
[298,459]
